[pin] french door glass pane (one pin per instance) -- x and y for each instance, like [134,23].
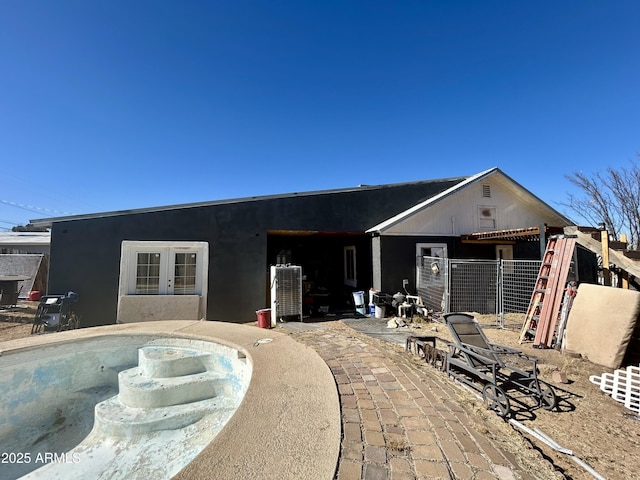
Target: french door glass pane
[148,274]
[185,274]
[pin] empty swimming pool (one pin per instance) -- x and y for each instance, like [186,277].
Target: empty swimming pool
[107,407]
[182,399]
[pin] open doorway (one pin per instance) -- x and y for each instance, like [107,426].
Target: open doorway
[334,265]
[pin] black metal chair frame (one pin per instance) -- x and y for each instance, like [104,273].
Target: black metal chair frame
[480,364]
[49,307]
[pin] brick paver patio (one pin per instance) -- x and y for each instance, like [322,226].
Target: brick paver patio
[404,420]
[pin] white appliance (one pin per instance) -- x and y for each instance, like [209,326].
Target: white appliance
[286,293]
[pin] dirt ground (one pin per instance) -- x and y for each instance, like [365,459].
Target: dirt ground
[598,430]
[16,322]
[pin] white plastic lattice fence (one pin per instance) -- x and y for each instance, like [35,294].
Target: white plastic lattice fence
[623,385]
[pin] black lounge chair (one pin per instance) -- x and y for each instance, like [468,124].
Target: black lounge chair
[482,365]
[56,313]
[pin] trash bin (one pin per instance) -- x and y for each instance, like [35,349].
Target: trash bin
[358,300]
[264,318]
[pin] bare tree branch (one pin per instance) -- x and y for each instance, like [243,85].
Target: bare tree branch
[612,197]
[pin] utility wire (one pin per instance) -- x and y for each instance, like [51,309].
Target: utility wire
[31,208]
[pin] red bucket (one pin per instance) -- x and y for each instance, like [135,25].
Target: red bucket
[264,318]
[34,296]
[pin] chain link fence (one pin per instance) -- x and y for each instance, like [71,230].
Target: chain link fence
[488,287]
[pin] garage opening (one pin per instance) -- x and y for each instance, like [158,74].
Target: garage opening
[334,264]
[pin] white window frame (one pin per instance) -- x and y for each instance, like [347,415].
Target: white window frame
[128,264]
[353,280]
[483,219]
[419,253]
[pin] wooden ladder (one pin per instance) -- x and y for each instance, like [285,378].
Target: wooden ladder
[546,299]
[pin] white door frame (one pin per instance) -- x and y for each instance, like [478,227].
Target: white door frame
[351,282]
[167,250]
[504,252]
[440,248]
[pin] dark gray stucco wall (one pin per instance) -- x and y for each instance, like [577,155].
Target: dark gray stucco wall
[85,254]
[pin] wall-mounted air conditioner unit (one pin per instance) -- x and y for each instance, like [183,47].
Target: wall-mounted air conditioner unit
[286,293]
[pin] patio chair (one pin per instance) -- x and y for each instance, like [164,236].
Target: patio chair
[56,313]
[501,373]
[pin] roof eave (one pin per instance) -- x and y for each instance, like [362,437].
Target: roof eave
[48,222]
[383,226]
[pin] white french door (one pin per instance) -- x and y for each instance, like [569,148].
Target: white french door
[165,271]
[162,281]
[160,268]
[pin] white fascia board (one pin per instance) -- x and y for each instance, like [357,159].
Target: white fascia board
[381,227]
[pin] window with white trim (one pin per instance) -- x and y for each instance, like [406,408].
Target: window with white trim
[163,268]
[486,218]
[350,272]
[429,252]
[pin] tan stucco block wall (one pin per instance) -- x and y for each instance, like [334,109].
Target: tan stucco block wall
[148,308]
[601,322]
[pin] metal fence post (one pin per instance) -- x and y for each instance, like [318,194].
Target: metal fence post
[500,293]
[447,286]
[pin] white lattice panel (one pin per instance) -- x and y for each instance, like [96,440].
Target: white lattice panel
[623,385]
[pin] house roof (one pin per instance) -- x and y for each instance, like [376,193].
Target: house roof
[22,267]
[47,222]
[464,182]
[25,238]
[449,186]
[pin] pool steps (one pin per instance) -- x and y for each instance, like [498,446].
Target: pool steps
[170,388]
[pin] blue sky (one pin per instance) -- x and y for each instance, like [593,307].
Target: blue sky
[109,105]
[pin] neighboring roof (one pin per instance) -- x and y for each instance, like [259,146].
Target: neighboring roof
[21,265]
[13,278]
[464,182]
[47,222]
[25,238]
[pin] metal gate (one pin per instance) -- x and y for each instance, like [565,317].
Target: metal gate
[473,286]
[482,286]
